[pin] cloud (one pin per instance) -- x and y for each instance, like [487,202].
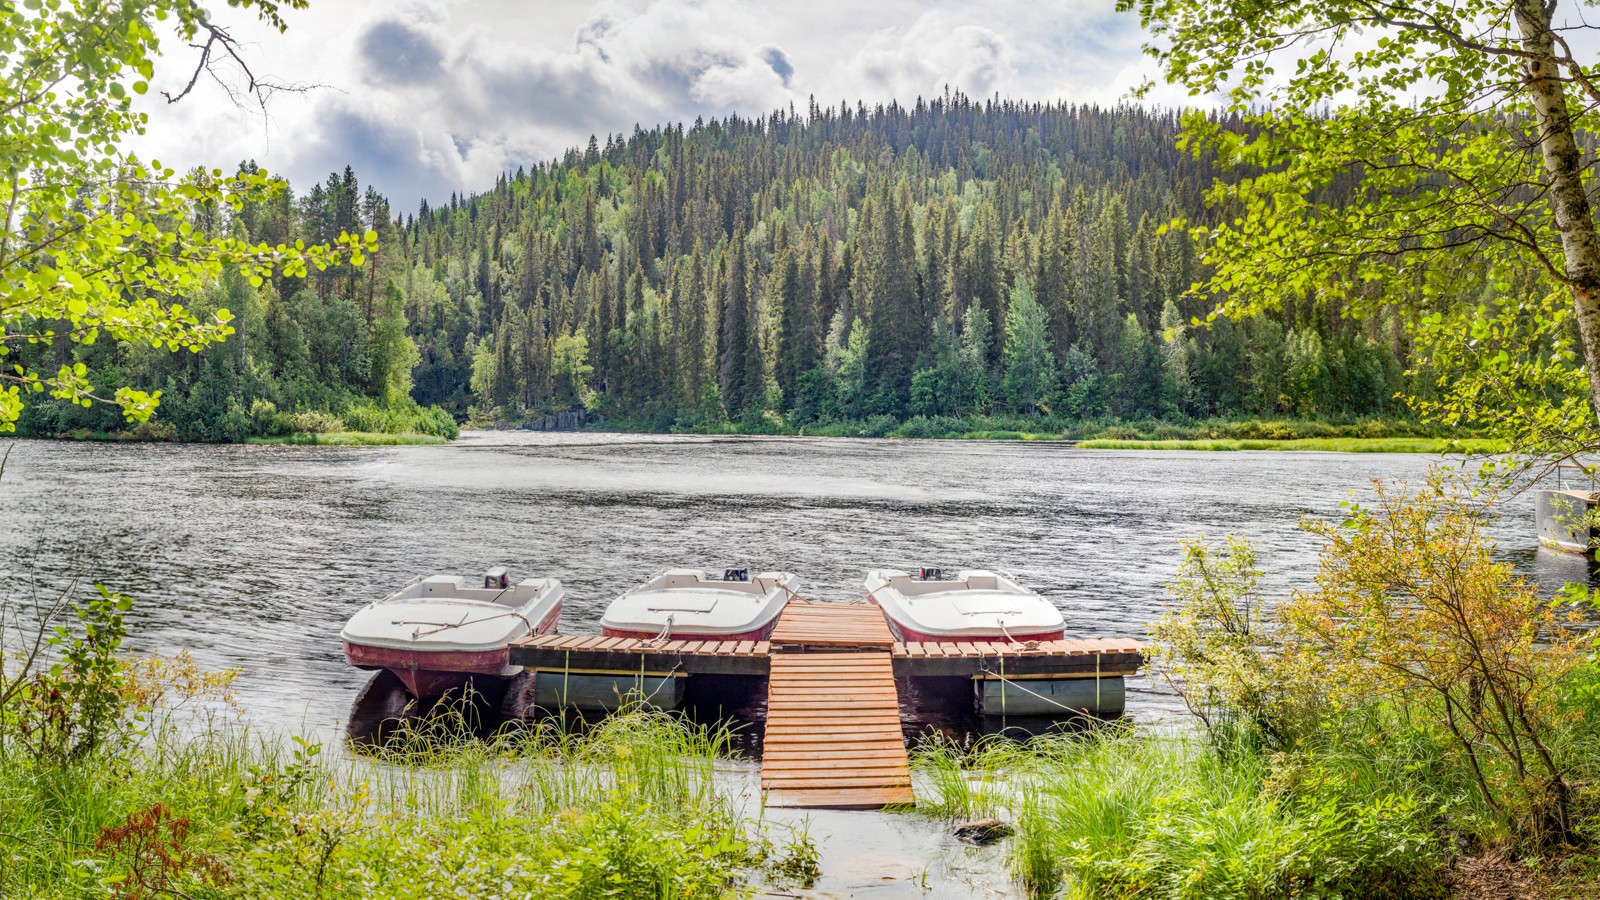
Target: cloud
[441,95]
[398,53]
[773,56]
[922,59]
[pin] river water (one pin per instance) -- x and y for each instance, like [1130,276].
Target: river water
[254,556]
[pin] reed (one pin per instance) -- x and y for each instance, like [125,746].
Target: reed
[1166,816]
[628,809]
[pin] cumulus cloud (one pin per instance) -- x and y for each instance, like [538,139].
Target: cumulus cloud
[442,96]
[922,59]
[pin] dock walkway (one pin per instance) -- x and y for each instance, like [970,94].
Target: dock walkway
[833,713]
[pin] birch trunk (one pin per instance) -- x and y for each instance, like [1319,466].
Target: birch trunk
[1563,164]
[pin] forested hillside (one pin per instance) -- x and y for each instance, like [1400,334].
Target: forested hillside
[953,260]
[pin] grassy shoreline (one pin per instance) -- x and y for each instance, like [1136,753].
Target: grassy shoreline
[1327,445]
[630,809]
[1370,436]
[350,439]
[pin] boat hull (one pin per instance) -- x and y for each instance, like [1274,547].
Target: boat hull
[430,673]
[909,635]
[759,634]
[1560,517]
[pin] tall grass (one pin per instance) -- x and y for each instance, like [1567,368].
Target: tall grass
[1164,816]
[629,809]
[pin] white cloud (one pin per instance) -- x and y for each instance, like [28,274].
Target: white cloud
[440,95]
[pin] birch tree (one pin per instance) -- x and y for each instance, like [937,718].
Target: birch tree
[93,242]
[1465,130]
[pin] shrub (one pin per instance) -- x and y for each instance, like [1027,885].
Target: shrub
[435,421]
[235,425]
[1411,606]
[1216,647]
[267,421]
[315,423]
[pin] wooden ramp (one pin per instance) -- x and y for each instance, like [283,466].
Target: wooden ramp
[833,737]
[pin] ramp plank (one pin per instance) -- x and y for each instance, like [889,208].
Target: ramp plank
[833,736]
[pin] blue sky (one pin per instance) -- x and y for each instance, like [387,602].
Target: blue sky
[426,97]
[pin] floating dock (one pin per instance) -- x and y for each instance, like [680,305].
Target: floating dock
[833,718]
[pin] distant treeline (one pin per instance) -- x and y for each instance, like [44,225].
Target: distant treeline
[955,259]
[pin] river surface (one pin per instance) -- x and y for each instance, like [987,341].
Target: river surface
[254,556]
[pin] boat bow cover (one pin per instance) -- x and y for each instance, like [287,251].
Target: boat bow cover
[442,613]
[973,604]
[700,605]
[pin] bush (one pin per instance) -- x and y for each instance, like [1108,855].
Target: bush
[315,423]
[930,427]
[235,425]
[399,419]
[435,421]
[268,421]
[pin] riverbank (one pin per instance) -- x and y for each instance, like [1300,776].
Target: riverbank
[350,439]
[1329,445]
[1167,815]
[1357,436]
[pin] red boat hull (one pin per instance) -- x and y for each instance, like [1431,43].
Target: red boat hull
[430,673]
[760,634]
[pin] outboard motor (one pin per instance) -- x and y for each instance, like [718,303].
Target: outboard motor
[930,573]
[735,574]
[497,579]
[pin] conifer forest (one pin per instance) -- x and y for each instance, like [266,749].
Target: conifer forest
[953,260]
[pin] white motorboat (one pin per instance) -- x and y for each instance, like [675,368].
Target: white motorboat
[437,633]
[688,604]
[975,604]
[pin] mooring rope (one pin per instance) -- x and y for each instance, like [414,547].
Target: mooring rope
[665,679]
[666,632]
[1026,645]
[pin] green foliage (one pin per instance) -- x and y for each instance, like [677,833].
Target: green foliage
[873,277]
[1030,368]
[1428,163]
[1326,445]
[627,811]
[1418,664]
[1411,605]
[62,706]
[403,417]
[1216,646]
[1161,817]
[98,244]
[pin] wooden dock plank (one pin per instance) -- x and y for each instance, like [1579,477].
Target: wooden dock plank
[858,798]
[833,737]
[832,625]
